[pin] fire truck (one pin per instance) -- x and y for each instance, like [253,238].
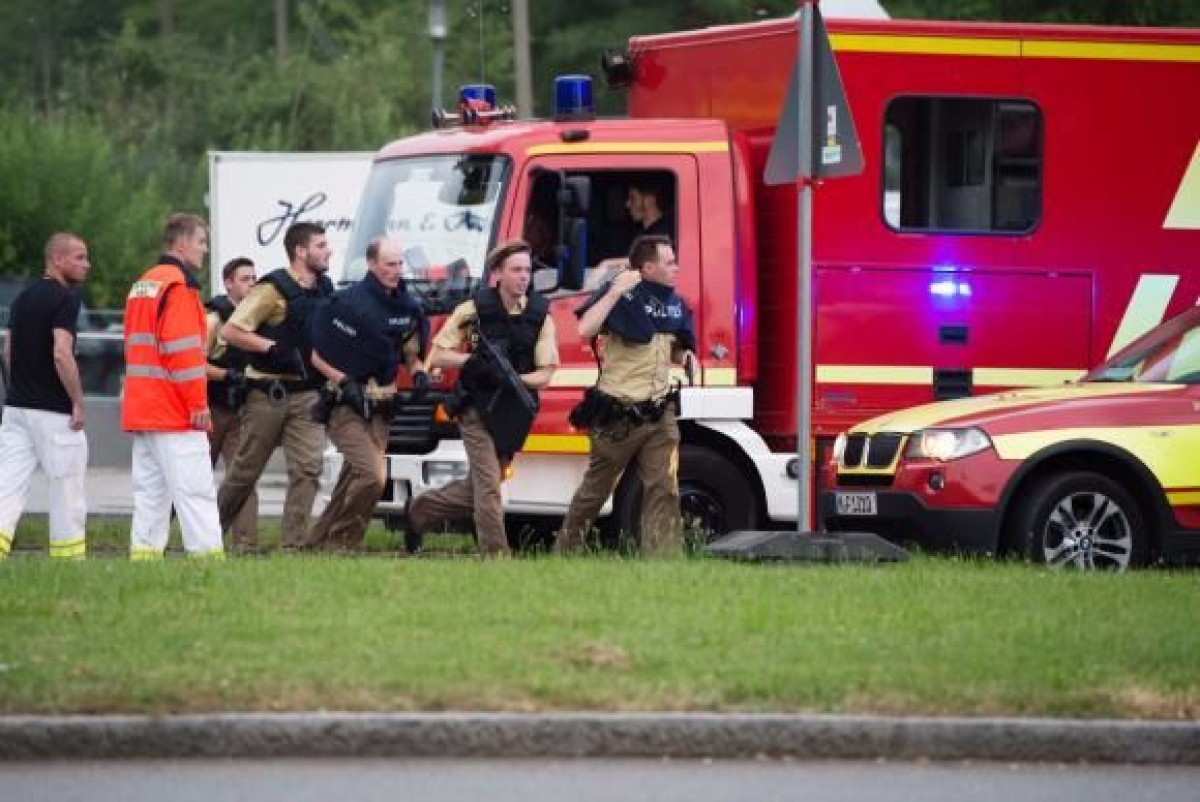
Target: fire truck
[1030,204]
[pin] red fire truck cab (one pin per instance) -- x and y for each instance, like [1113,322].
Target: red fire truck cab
[1030,204]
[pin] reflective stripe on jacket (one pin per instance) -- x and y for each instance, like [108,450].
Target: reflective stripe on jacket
[165,327]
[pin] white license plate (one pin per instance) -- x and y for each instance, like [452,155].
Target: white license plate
[856,504]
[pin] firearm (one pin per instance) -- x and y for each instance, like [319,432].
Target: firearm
[508,377]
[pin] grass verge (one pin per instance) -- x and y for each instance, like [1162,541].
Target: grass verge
[934,636]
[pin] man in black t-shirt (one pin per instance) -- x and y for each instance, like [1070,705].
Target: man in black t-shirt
[43,413]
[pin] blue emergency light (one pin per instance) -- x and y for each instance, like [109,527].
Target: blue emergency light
[573,98]
[476,95]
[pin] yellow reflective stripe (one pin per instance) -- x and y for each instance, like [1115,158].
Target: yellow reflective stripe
[1024,377]
[212,554]
[181,344]
[875,374]
[1185,209]
[925,45]
[69,549]
[1146,309]
[1109,51]
[558,443]
[1183,498]
[1012,48]
[923,375]
[145,554]
[628,147]
[719,377]
[5,544]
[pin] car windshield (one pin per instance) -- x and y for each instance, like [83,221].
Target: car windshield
[1169,353]
[443,212]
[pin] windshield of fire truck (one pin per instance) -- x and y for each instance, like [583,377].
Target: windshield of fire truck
[1169,353]
[442,210]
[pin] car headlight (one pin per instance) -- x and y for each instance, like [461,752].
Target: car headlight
[945,445]
[839,447]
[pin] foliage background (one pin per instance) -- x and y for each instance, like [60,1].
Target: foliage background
[107,107]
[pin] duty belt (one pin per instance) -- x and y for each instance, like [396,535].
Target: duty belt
[279,389]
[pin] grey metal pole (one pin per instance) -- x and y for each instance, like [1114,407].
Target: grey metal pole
[438,30]
[804,300]
[522,72]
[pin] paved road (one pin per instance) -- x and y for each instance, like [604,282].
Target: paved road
[588,781]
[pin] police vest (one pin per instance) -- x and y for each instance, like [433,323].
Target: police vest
[515,336]
[359,330]
[236,358]
[292,333]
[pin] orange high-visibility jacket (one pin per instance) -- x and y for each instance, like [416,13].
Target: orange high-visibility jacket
[164,351]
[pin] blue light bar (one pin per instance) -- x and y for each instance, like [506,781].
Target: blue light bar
[573,98]
[479,93]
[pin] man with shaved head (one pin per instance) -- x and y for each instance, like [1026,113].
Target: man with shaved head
[43,412]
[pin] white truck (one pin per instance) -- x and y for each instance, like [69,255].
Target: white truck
[254,196]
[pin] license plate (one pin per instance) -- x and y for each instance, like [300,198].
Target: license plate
[856,504]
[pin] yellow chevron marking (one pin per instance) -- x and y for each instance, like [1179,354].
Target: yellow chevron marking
[627,147]
[1183,498]
[1185,209]
[1146,309]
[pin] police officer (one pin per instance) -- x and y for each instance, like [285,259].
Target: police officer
[518,325]
[226,371]
[271,325]
[646,327]
[359,338]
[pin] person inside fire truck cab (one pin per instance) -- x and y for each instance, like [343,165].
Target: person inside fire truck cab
[630,414]
[519,325]
[646,208]
[360,337]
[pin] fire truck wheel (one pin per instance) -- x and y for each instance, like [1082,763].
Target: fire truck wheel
[1083,520]
[714,496]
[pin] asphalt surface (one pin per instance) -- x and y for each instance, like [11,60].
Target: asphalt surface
[572,735]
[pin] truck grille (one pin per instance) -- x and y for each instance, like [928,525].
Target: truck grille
[874,451]
[414,430]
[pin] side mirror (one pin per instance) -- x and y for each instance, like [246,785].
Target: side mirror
[575,196]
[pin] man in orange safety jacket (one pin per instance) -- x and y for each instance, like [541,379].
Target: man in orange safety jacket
[165,403]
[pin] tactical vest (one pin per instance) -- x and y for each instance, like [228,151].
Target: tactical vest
[293,331]
[514,335]
[359,330]
[218,391]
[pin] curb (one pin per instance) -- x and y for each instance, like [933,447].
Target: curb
[598,735]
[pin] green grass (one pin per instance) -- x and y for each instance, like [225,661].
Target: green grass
[934,636]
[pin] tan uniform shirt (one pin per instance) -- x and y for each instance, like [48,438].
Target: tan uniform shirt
[453,334]
[635,371]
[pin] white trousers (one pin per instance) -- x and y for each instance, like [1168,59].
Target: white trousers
[32,439]
[173,468]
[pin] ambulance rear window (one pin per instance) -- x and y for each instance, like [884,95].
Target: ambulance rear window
[971,165]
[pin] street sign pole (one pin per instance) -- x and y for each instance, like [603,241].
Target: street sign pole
[804,300]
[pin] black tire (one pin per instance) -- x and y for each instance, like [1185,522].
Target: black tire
[1080,519]
[715,496]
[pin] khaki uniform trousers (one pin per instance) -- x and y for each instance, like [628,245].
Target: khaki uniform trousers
[475,497]
[223,443]
[363,443]
[655,448]
[265,425]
